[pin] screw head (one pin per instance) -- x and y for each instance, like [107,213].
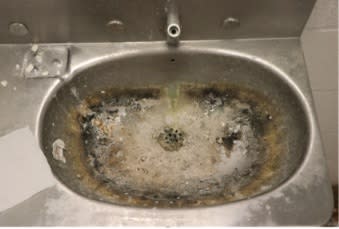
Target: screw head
[231,22]
[115,25]
[18,29]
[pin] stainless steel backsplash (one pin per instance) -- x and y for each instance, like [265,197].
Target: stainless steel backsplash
[54,21]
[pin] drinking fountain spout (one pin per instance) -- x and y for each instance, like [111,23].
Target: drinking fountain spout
[173,27]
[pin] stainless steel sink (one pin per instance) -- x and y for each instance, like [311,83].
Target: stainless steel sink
[175,128]
[213,127]
[277,181]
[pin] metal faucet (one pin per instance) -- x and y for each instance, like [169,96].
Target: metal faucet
[173,28]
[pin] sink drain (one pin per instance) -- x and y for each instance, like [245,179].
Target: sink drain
[171,139]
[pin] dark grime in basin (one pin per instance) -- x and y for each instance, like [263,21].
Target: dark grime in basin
[211,145]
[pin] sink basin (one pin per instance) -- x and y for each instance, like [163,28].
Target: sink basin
[175,128]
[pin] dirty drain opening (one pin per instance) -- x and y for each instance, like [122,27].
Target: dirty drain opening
[171,139]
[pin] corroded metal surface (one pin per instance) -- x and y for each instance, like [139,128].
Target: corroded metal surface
[226,153]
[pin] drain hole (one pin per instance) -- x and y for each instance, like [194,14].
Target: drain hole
[171,139]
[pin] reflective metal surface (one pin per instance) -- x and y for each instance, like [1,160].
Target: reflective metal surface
[173,28]
[155,89]
[278,68]
[52,21]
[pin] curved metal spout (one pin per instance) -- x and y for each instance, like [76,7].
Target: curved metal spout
[173,28]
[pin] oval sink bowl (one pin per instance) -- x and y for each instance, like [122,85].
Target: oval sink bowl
[175,129]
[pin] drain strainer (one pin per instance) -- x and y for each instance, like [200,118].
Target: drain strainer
[171,139]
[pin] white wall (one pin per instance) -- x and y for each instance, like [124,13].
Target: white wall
[320,44]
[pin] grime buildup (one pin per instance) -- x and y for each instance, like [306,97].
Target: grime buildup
[204,143]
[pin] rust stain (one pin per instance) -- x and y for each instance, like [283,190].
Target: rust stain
[90,183]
